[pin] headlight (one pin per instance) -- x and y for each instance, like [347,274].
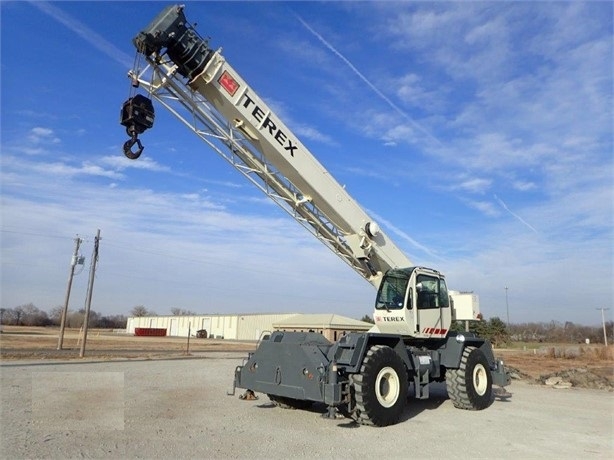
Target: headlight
[460,338]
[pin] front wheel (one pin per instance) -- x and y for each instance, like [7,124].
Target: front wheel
[380,389]
[470,386]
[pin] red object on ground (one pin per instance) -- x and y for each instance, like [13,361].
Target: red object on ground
[149,332]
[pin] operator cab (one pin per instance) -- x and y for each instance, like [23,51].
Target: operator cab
[413,302]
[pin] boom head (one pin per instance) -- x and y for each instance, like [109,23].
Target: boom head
[170,30]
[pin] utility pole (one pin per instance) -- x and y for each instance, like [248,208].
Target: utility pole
[605,335]
[74,261]
[507,307]
[90,289]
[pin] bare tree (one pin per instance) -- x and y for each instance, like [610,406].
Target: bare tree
[30,315]
[55,315]
[140,310]
[367,319]
[181,312]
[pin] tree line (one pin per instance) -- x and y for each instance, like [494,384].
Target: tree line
[142,310]
[31,315]
[500,334]
[562,332]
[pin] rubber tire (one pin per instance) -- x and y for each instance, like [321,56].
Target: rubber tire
[290,403]
[470,386]
[383,373]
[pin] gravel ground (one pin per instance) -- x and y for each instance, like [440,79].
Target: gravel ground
[178,408]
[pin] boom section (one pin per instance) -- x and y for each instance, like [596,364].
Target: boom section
[201,89]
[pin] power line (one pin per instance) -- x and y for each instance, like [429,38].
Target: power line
[44,235]
[90,288]
[19,232]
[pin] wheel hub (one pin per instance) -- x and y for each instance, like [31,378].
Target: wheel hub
[480,379]
[387,386]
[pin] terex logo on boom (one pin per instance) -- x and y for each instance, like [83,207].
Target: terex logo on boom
[269,124]
[231,86]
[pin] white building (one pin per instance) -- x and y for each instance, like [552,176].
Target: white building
[248,326]
[235,327]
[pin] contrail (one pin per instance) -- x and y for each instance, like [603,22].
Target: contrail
[400,233]
[368,83]
[85,32]
[504,206]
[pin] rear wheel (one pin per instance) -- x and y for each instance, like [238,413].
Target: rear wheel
[380,389]
[470,386]
[290,403]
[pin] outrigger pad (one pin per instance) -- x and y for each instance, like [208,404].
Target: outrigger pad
[249,395]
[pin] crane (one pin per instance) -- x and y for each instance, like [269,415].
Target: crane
[362,375]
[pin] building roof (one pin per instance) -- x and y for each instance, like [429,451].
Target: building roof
[322,321]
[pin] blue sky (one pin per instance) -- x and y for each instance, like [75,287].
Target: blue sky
[478,134]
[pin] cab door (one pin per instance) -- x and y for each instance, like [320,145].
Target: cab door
[432,304]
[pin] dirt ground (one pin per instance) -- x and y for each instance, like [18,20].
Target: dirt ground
[588,366]
[179,408]
[580,366]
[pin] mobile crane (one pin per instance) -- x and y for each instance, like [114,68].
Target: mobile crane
[365,376]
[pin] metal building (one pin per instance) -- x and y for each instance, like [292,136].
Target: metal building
[235,327]
[248,326]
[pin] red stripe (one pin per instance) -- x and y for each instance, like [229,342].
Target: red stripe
[434,331]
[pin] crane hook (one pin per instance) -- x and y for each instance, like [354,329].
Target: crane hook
[128,147]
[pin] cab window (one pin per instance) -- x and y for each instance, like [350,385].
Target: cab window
[432,292]
[391,294]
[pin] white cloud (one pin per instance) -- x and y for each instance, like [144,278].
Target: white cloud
[161,250]
[524,186]
[311,133]
[412,91]
[302,130]
[120,163]
[415,126]
[41,135]
[475,185]
[305,51]
[485,207]
[56,169]
[404,236]
[465,183]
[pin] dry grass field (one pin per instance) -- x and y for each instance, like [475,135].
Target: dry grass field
[588,366]
[41,343]
[593,363]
